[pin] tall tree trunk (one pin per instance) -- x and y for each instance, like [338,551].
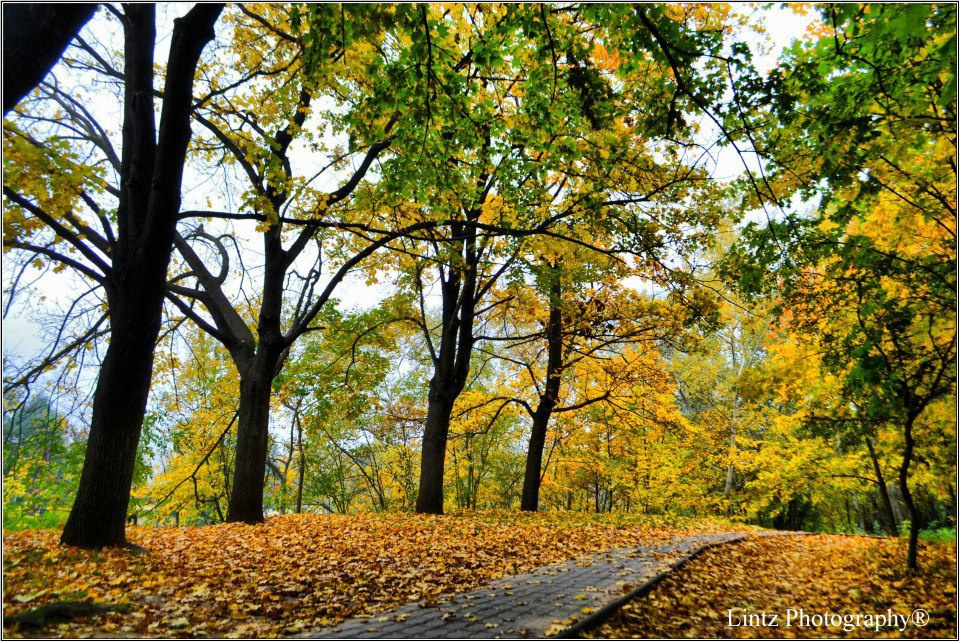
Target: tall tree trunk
[99,511]
[435,431]
[882,490]
[151,174]
[256,386]
[249,469]
[302,466]
[530,499]
[451,365]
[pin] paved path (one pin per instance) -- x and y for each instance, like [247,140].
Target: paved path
[538,604]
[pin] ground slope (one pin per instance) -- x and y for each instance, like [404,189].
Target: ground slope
[297,572]
[800,586]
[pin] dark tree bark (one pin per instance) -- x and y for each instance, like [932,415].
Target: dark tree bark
[912,511]
[530,499]
[99,512]
[259,358]
[34,37]
[557,328]
[246,496]
[433,456]
[451,363]
[151,174]
[256,386]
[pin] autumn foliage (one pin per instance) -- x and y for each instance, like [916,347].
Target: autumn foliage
[329,265]
[298,572]
[824,574]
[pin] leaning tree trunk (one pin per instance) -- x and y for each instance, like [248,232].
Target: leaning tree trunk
[884,493]
[530,498]
[150,179]
[34,37]
[912,512]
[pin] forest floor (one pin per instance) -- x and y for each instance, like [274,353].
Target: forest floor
[297,573]
[552,601]
[303,573]
[800,587]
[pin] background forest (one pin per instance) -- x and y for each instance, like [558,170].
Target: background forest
[432,257]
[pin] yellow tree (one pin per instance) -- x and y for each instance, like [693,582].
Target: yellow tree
[117,236]
[867,123]
[195,403]
[621,450]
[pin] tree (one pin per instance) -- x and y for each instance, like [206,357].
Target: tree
[867,115]
[544,124]
[584,313]
[306,52]
[130,263]
[34,37]
[472,140]
[41,463]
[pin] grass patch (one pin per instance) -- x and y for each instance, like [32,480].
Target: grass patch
[945,535]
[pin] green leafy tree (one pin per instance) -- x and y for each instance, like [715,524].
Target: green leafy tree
[866,117]
[41,465]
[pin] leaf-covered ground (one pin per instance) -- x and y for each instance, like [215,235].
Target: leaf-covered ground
[735,590]
[298,572]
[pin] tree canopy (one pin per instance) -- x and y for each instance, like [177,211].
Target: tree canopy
[408,257]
